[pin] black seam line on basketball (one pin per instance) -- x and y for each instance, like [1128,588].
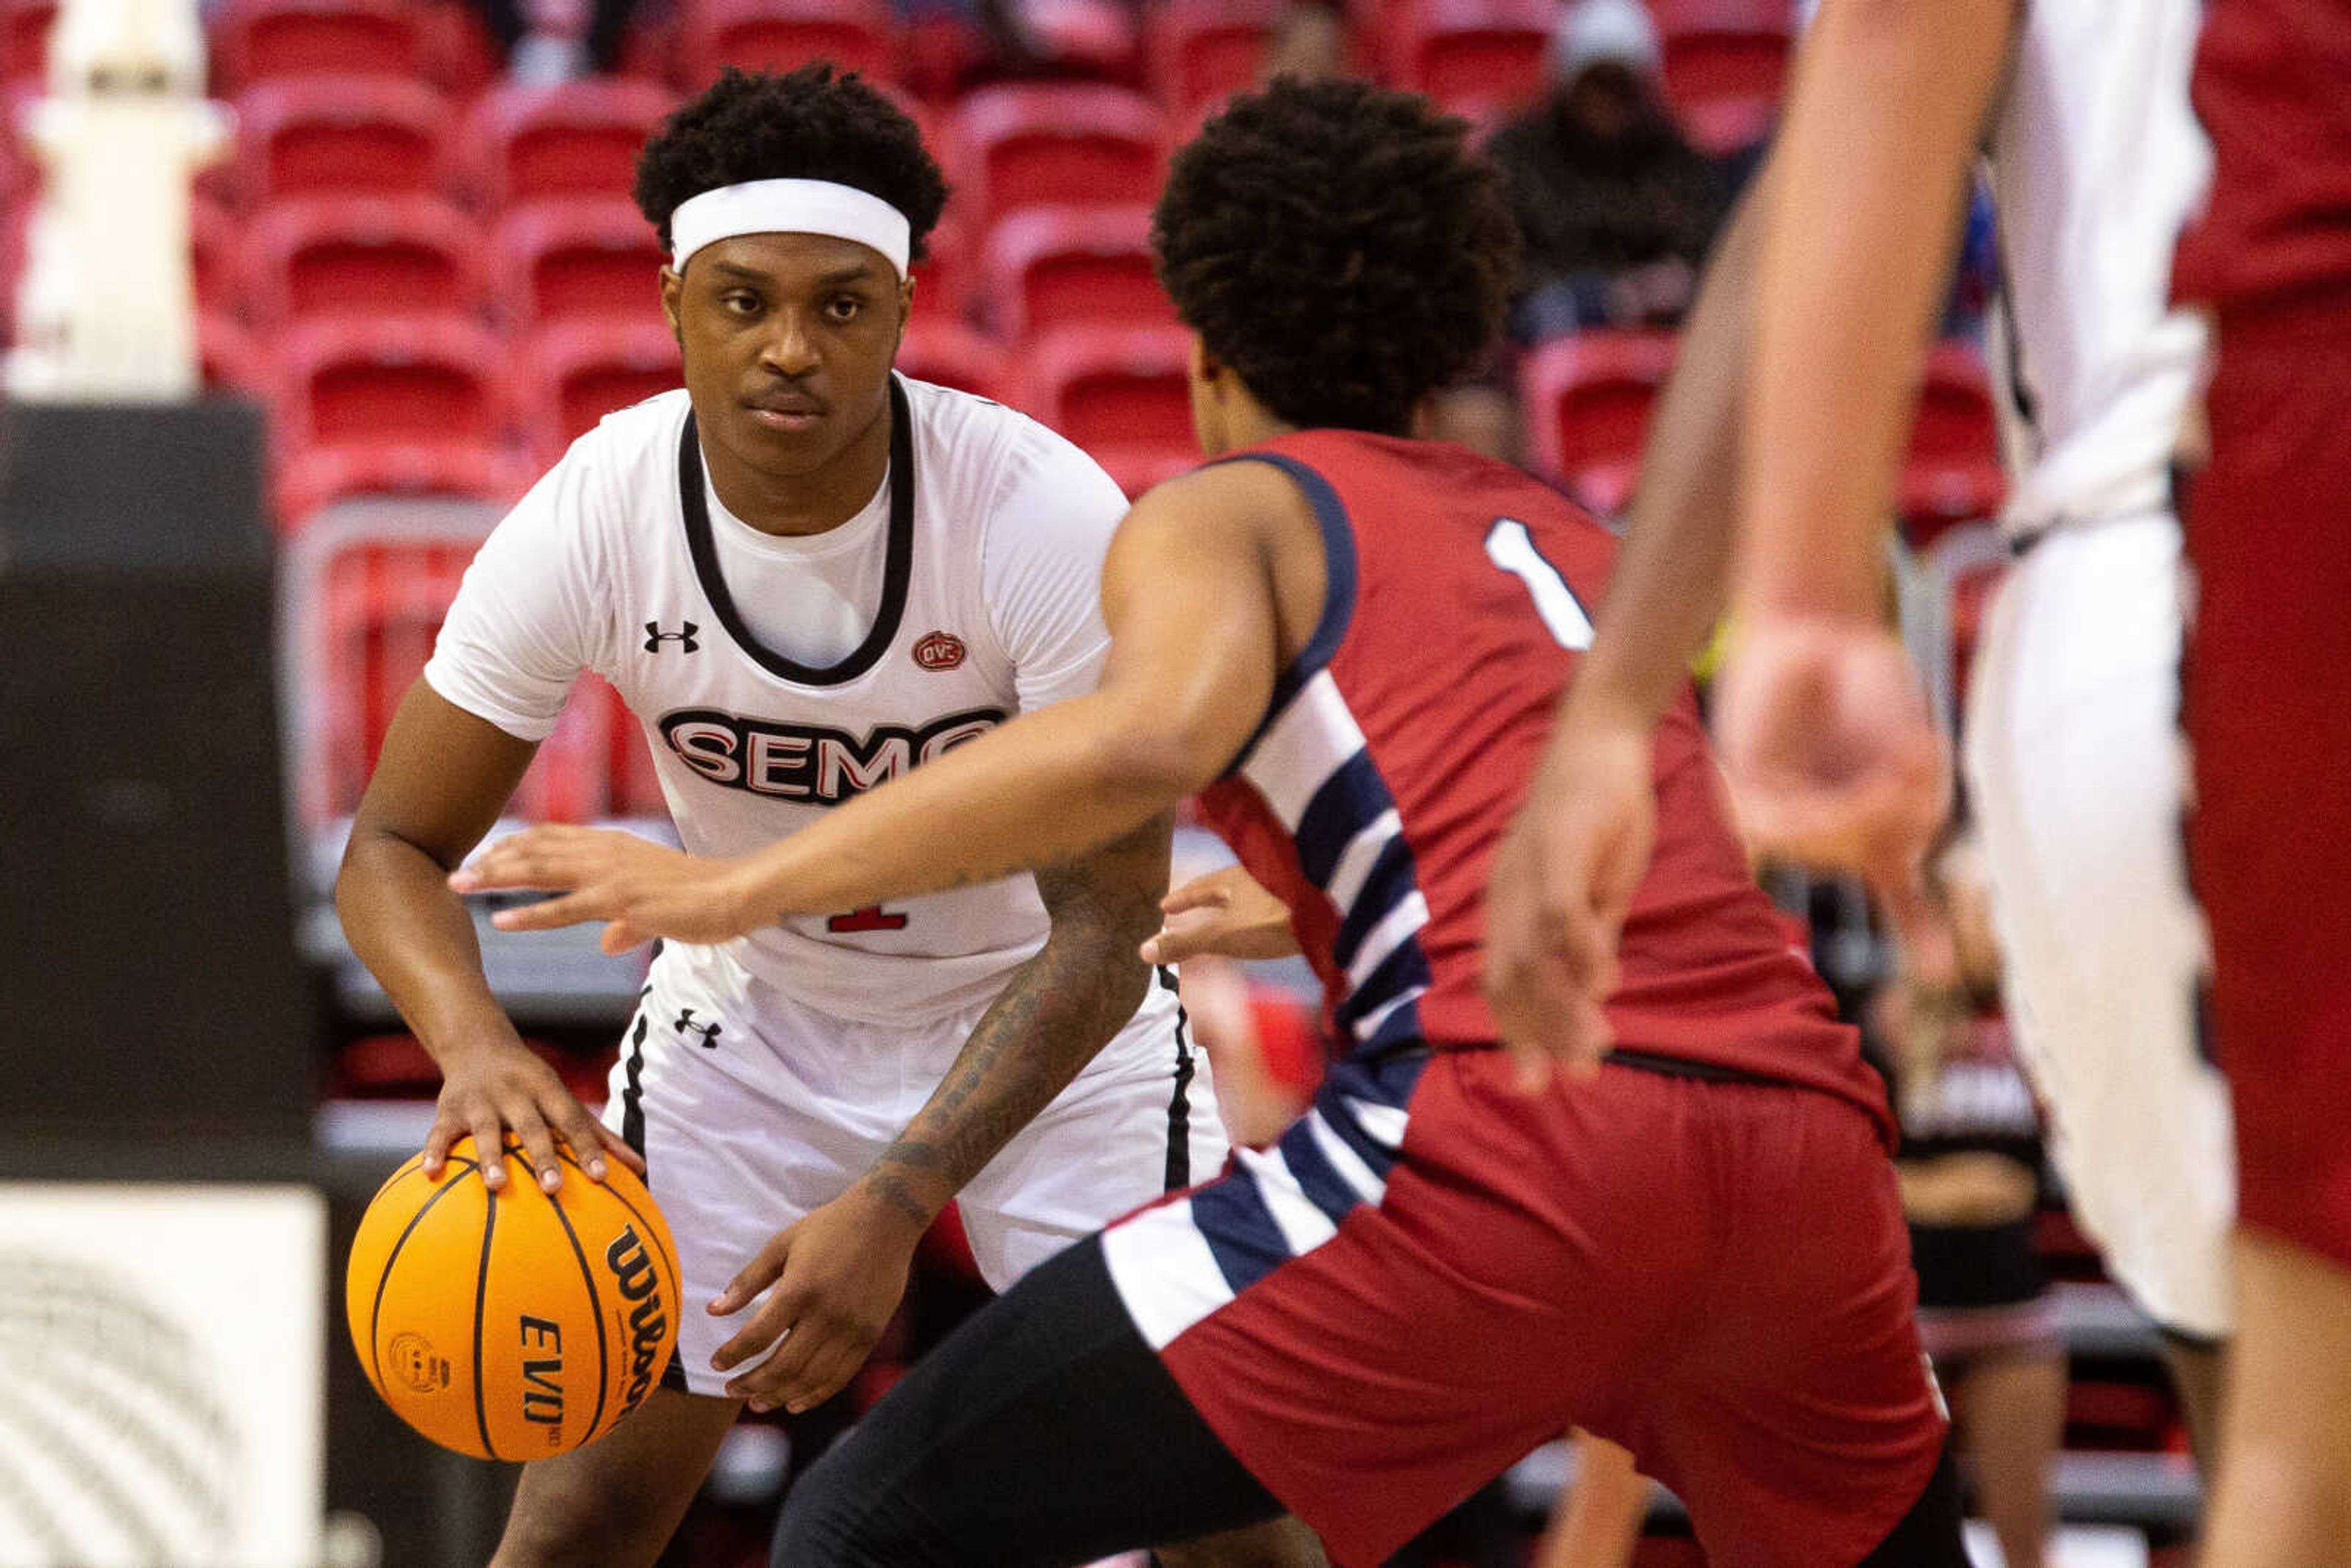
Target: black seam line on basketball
[93,1477]
[481,1296]
[1178,1172]
[595,1306]
[194,1487]
[897,567]
[375,1308]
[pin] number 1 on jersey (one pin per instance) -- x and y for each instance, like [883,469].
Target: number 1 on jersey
[1511,547]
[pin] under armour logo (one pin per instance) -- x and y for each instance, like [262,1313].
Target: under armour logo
[708,1031]
[655,636]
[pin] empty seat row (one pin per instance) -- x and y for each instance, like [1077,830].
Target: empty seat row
[597,260]
[1586,402]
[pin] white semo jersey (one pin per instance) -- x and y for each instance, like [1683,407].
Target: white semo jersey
[2097,163]
[988,605]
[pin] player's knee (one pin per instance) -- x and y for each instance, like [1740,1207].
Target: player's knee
[605,1527]
[833,1520]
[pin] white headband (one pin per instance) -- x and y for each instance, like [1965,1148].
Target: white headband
[790,206]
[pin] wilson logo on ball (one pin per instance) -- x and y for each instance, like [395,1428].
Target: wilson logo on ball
[649,1335]
[939,650]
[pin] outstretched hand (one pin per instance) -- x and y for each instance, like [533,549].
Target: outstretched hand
[1556,897]
[1225,913]
[643,889]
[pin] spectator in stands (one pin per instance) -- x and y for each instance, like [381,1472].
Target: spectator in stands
[1970,1169]
[1615,206]
[542,42]
[1309,41]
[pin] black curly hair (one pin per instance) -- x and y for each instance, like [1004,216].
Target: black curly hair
[1339,247]
[810,123]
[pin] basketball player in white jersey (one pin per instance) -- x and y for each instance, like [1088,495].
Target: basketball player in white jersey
[804,575]
[2074,756]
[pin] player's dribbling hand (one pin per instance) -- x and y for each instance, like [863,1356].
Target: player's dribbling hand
[1556,896]
[839,1273]
[1832,758]
[1227,913]
[491,1089]
[643,889]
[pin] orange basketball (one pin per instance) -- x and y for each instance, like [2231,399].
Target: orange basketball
[517,1326]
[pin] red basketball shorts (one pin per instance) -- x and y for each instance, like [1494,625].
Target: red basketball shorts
[1430,1274]
[2268,702]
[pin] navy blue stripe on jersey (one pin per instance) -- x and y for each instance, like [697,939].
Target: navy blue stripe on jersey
[1240,1230]
[1338,588]
[1399,1030]
[1178,1262]
[1400,972]
[1351,800]
[1390,881]
[1318,1178]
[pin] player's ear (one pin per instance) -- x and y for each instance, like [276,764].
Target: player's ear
[673,288]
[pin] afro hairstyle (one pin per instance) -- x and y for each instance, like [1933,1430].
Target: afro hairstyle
[1339,247]
[810,123]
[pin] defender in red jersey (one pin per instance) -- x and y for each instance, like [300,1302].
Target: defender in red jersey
[2268,523]
[1353,642]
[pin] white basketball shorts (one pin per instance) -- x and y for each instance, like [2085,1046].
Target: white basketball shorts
[2077,766]
[752,1109]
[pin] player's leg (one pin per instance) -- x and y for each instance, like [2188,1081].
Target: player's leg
[1324,1314]
[2074,766]
[1042,1432]
[615,1503]
[1598,1522]
[1140,1122]
[2282,1499]
[733,1153]
[2011,1407]
[2271,840]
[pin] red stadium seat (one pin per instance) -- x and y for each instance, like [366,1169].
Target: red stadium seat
[25,40]
[1061,266]
[1202,51]
[313,480]
[434,383]
[213,238]
[1955,421]
[1587,397]
[582,370]
[953,355]
[1726,64]
[383,604]
[262,40]
[228,357]
[1938,495]
[944,279]
[778,34]
[1473,51]
[1095,39]
[1120,393]
[361,255]
[317,136]
[1067,144]
[578,260]
[580,138]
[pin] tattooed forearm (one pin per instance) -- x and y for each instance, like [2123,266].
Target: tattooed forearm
[1054,1015]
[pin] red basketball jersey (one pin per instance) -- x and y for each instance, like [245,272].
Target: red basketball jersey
[2273,86]
[1399,743]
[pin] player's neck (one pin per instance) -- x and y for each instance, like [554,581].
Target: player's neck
[799,504]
